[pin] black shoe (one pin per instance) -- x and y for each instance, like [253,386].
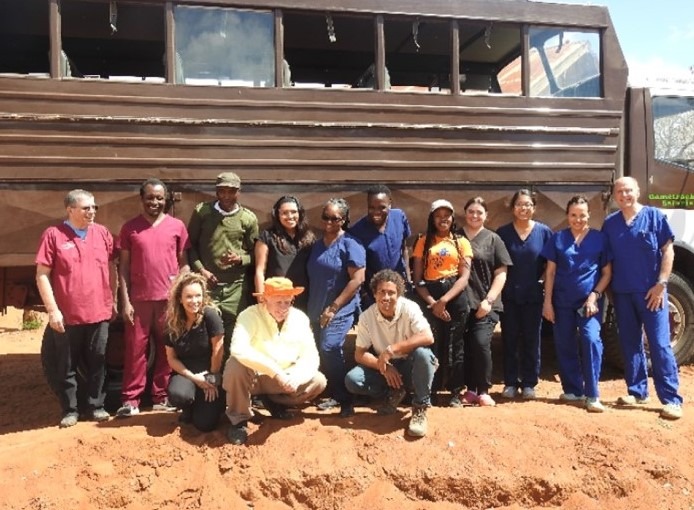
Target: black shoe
[328,404]
[346,410]
[257,402]
[186,415]
[238,434]
[277,411]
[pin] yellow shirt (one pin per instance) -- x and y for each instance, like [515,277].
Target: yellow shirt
[259,345]
[444,256]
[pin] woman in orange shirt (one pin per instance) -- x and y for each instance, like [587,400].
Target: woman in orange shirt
[441,266]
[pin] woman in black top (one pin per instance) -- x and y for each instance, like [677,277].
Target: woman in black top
[282,250]
[194,349]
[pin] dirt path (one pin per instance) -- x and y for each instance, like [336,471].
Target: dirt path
[538,454]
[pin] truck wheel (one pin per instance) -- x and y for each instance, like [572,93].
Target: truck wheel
[681,302]
[612,353]
[681,308]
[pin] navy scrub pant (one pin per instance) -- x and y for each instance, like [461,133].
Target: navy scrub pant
[579,351]
[521,325]
[633,318]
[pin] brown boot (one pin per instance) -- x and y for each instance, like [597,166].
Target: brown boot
[418,422]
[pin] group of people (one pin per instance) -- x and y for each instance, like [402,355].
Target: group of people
[190,289]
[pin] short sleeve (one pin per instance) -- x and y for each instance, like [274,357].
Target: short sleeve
[418,249]
[464,247]
[356,254]
[549,250]
[213,322]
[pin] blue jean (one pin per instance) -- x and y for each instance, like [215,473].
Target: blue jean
[331,342]
[417,371]
[632,316]
[521,325]
[579,351]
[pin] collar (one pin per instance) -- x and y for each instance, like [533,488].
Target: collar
[226,213]
[79,232]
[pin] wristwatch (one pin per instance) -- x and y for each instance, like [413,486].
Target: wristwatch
[663,283]
[597,293]
[215,379]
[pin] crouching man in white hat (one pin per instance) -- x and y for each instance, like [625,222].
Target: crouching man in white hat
[273,354]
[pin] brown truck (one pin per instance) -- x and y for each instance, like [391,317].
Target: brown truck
[435,99]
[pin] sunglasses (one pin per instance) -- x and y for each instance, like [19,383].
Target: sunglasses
[333,219]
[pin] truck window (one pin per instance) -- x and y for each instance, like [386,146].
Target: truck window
[418,54]
[564,63]
[224,47]
[24,38]
[112,41]
[673,129]
[329,50]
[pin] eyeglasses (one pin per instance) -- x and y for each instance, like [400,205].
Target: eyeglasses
[524,206]
[88,208]
[333,219]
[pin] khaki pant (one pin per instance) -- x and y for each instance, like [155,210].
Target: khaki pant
[240,382]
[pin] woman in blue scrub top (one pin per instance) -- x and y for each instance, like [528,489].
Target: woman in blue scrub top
[521,320]
[336,268]
[578,272]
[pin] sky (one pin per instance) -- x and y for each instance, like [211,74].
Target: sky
[657,36]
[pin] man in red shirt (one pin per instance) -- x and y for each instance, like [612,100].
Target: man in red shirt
[152,252]
[77,284]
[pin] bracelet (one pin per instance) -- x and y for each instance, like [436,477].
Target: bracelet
[489,300]
[663,283]
[333,307]
[597,293]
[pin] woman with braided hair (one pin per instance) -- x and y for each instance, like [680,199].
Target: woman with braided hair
[441,266]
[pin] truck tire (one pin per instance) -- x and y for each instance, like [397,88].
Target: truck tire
[681,302]
[681,307]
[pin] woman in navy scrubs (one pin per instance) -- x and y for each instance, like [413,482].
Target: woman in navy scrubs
[521,320]
[578,272]
[336,268]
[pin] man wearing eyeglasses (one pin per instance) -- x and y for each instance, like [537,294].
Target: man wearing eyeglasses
[77,284]
[222,236]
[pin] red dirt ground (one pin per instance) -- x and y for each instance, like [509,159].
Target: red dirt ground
[539,454]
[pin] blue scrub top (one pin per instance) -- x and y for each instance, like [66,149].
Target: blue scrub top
[328,275]
[383,249]
[636,248]
[578,266]
[523,277]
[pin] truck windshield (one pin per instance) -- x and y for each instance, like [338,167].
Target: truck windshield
[673,128]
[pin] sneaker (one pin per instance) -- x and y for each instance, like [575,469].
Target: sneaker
[127,410]
[509,392]
[418,423]
[395,396]
[570,397]
[469,398]
[164,405]
[238,434]
[69,420]
[99,415]
[671,411]
[631,400]
[528,393]
[328,404]
[485,401]
[593,405]
[455,400]
[346,410]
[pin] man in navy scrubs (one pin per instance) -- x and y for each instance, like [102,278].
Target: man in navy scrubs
[641,241]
